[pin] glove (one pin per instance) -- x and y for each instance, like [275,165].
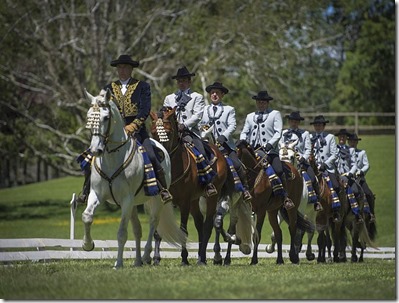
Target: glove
[221,139]
[268,147]
[323,167]
[350,176]
[302,160]
[361,173]
[181,127]
[131,128]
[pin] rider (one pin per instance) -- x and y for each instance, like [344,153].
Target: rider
[304,150]
[133,98]
[362,168]
[223,119]
[190,107]
[325,152]
[347,167]
[262,129]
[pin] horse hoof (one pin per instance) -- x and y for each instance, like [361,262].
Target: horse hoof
[217,262]
[201,263]
[269,249]
[310,257]
[88,246]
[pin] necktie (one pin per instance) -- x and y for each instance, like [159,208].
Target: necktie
[215,109]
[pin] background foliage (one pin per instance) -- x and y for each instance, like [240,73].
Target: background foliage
[310,55]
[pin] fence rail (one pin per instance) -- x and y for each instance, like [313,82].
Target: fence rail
[42,249]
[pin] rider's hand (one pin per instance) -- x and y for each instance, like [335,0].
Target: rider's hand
[268,147]
[302,160]
[243,142]
[181,127]
[221,139]
[350,175]
[323,167]
[131,128]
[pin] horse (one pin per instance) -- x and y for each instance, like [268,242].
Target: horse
[188,193]
[241,230]
[324,220]
[264,200]
[117,176]
[287,153]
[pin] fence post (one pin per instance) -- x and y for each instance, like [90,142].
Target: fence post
[357,123]
[72,222]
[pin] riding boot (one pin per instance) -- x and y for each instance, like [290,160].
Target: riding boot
[165,194]
[210,190]
[317,205]
[358,219]
[288,204]
[246,195]
[82,199]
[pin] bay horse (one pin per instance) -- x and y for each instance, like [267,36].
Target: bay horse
[117,176]
[288,153]
[188,193]
[241,230]
[264,200]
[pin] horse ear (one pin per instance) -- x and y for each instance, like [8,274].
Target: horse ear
[108,95]
[89,97]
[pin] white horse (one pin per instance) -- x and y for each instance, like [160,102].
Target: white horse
[117,176]
[288,153]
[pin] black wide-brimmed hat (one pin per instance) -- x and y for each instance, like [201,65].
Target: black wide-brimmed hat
[262,95]
[319,119]
[217,85]
[295,116]
[343,131]
[124,59]
[354,137]
[183,73]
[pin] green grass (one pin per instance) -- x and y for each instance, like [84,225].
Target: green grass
[374,279]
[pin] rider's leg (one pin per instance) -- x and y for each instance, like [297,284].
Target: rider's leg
[210,189]
[241,174]
[278,168]
[310,172]
[335,184]
[159,172]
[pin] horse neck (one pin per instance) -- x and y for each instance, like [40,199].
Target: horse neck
[248,158]
[118,143]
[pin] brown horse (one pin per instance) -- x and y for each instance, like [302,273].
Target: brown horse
[188,193]
[264,200]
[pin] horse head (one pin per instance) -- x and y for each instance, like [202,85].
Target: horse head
[287,150]
[207,133]
[99,117]
[164,127]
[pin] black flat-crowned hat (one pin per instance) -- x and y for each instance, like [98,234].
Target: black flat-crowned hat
[183,73]
[343,131]
[319,119]
[262,95]
[295,116]
[354,137]
[124,59]
[217,85]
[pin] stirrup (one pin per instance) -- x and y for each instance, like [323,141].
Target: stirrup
[166,196]
[288,204]
[318,207]
[359,219]
[211,190]
[246,196]
[336,217]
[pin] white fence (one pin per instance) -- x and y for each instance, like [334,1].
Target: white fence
[39,249]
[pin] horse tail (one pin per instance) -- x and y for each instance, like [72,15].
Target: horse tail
[302,222]
[168,228]
[372,230]
[364,236]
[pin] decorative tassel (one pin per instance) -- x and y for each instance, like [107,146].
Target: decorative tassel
[352,200]
[205,171]
[275,181]
[150,181]
[84,159]
[312,198]
[336,203]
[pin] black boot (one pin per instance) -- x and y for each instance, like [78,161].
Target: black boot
[246,195]
[288,204]
[317,205]
[165,194]
[82,199]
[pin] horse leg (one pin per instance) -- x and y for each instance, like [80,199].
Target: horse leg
[157,248]
[321,242]
[217,259]
[207,231]
[329,246]
[183,226]
[137,231]
[122,234]
[87,218]
[259,225]
[272,215]
[270,248]
[310,256]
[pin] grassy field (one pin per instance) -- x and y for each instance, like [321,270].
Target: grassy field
[42,210]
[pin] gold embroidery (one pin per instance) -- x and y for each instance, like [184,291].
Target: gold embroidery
[126,107]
